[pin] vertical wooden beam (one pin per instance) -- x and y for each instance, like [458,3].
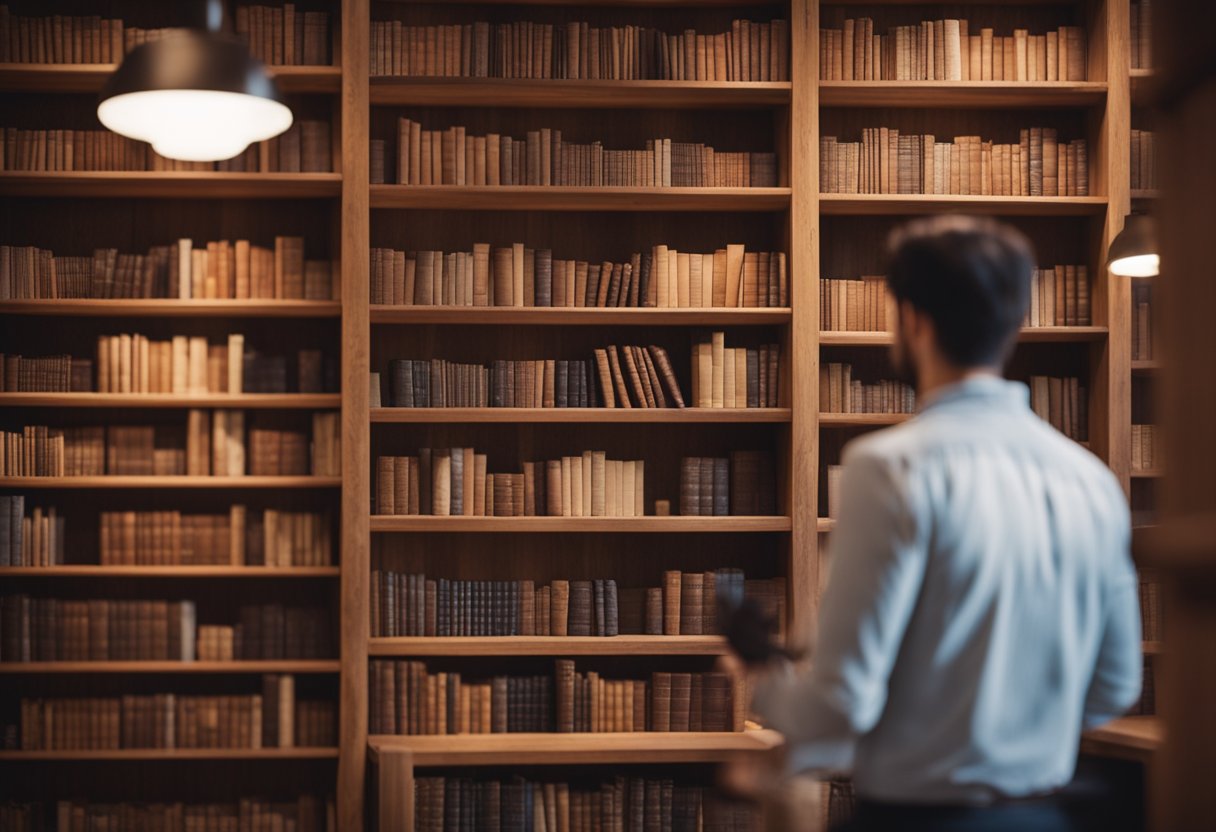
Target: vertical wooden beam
[395,789]
[1111,400]
[356,427]
[804,325]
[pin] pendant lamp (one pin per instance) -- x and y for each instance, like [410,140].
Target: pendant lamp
[196,95]
[1133,252]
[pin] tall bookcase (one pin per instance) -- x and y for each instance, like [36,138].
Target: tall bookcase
[823,235]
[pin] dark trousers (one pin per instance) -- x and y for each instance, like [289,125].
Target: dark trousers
[1045,815]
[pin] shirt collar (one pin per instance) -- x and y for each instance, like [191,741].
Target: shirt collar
[978,388]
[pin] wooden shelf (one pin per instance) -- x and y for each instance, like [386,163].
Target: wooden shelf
[382,523]
[170,754]
[1128,738]
[1027,335]
[575,198]
[197,667]
[943,94]
[17,77]
[1142,82]
[166,184]
[575,749]
[900,204]
[510,92]
[165,308]
[116,482]
[825,524]
[579,415]
[1145,367]
[1148,474]
[565,316]
[172,572]
[847,420]
[1144,194]
[260,401]
[623,645]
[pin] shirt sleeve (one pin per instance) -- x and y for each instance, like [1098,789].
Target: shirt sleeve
[1118,671]
[878,561]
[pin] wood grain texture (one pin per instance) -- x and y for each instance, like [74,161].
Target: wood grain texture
[424,523]
[576,198]
[542,316]
[509,92]
[161,184]
[577,415]
[136,401]
[623,645]
[172,754]
[170,572]
[183,482]
[169,667]
[395,787]
[575,749]
[912,204]
[979,94]
[1028,335]
[355,236]
[163,308]
[91,77]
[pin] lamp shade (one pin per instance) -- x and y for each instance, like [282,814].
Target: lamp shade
[195,96]
[1133,252]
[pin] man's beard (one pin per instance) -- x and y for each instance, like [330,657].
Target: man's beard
[902,361]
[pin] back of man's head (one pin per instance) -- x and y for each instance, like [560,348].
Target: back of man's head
[971,277]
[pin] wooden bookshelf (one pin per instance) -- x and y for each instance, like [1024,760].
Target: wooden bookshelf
[575,749]
[579,415]
[159,755]
[77,78]
[162,667]
[623,645]
[161,308]
[576,198]
[273,573]
[668,525]
[564,316]
[164,184]
[1145,367]
[247,401]
[981,94]
[182,482]
[1136,738]
[861,420]
[912,204]
[510,92]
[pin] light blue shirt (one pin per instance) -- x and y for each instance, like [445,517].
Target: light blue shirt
[982,609]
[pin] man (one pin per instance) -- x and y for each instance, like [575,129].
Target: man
[983,607]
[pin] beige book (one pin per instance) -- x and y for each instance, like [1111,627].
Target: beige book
[694,280]
[479,485]
[673,278]
[576,486]
[219,443]
[585,492]
[196,383]
[441,485]
[639,493]
[469,483]
[612,497]
[236,363]
[734,275]
[741,377]
[953,50]
[728,378]
[234,440]
[717,369]
[718,286]
[628,487]
[660,276]
[704,372]
[707,280]
[185,261]
[567,488]
[598,483]
[683,280]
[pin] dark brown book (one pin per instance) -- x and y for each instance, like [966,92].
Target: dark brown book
[559,614]
[690,486]
[691,603]
[653,387]
[663,365]
[671,602]
[581,608]
[660,701]
[640,398]
[565,682]
[654,612]
[681,701]
[605,374]
[618,378]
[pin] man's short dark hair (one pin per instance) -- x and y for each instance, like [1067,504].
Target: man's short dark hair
[971,276]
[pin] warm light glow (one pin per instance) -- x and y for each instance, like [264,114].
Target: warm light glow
[194,125]
[1140,265]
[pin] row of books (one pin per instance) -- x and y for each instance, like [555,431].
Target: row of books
[886,161]
[1059,296]
[1141,40]
[306,813]
[275,718]
[212,443]
[526,383]
[516,275]
[638,377]
[1142,322]
[1144,161]
[632,804]
[452,157]
[853,304]
[406,698]
[742,484]
[407,604]
[33,539]
[52,629]
[1151,613]
[275,35]
[1063,402]
[1146,448]
[750,51]
[945,50]
[240,537]
[454,481]
[45,374]
[735,376]
[302,148]
[839,392]
[181,270]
